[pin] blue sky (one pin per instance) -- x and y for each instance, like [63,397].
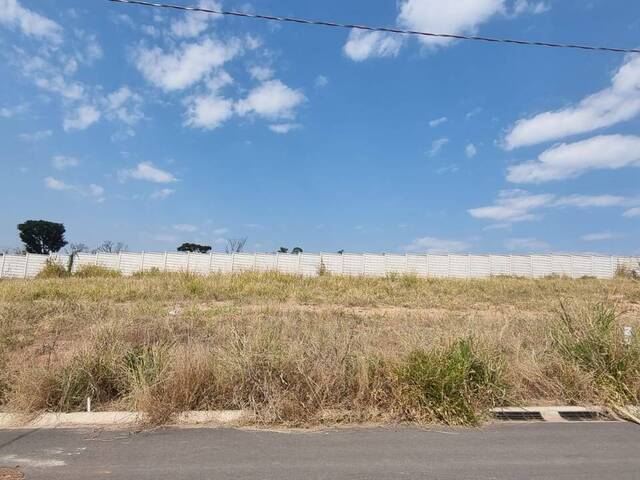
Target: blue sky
[154,127]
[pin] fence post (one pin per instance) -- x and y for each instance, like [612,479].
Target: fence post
[299,262]
[210,261]
[26,265]
[4,256]
[233,256]
[95,261]
[277,258]
[142,263]
[120,262]
[165,262]
[188,260]
[255,261]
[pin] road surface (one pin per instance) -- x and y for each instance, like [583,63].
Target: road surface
[525,451]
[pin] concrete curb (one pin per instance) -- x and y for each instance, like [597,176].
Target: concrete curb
[85,419]
[553,414]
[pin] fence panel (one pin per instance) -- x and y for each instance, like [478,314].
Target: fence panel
[332,263]
[541,266]
[199,263]
[221,263]
[431,265]
[374,265]
[266,261]
[353,264]
[395,264]
[438,266]
[581,266]
[417,265]
[479,266]
[309,264]
[108,260]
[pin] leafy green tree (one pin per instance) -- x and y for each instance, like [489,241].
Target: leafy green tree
[283,250]
[296,251]
[40,236]
[194,247]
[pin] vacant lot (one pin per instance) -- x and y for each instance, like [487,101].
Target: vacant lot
[303,351]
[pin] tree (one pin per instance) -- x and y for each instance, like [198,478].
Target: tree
[235,245]
[194,248]
[283,250]
[296,251]
[40,236]
[75,248]
[110,247]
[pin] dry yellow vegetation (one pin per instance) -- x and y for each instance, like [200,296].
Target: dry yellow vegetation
[302,351]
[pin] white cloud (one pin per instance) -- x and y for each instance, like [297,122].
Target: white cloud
[185,227]
[14,15]
[519,205]
[284,127]
[208,111]
[82,118]
[470,150]
[362,45]
[513,206]
[573,159]
[261,73]
[525,244]
[526,6]
[587,201]
[632,212]
[162,194]
[94,191]
[194,23]
[437,121]
[437,245]
[437,146]
[460,17]
[453,17]
[36,136]
[272,99]
[147,172]
[55,184]
[58,84]
[185,66]
[91,49]
[61,162]
[9,112]
[615,104]
[321,81]
[124,105]
[600,236]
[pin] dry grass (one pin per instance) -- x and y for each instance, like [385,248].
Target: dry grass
[303,351]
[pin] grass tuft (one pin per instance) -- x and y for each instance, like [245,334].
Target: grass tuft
[52,269]
[452,385]
[96,271]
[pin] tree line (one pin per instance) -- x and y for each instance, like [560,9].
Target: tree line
[45,237]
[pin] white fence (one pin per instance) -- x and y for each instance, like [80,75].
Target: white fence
[375,265]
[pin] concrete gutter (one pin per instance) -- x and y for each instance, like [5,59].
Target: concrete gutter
[553,413]
[83,419]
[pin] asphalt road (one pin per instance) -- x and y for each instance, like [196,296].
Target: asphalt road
[530,451]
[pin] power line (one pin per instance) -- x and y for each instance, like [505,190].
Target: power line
[378,29]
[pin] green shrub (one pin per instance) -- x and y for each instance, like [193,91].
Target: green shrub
[594,342]
[454,385]
[95,271]
[53,269]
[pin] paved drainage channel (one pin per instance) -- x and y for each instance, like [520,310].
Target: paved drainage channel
[552,414]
